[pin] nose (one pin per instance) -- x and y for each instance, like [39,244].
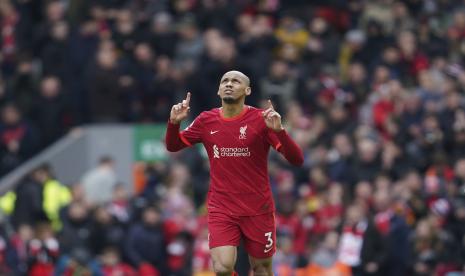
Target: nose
[229,84]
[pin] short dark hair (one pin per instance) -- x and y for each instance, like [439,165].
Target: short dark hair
[106,159]
[44,167]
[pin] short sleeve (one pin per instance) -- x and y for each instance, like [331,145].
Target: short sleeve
[193,133]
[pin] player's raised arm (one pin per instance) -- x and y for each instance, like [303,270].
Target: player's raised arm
[179,112]
[288,147]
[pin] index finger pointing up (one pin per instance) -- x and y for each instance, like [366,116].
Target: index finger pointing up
[270,104]
[188,99]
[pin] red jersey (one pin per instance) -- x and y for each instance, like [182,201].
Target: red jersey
[238,152]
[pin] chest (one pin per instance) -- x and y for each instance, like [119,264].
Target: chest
[237,133]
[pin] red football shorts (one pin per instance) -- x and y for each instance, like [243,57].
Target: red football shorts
[258,232]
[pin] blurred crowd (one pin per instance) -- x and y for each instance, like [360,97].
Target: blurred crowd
[373,91]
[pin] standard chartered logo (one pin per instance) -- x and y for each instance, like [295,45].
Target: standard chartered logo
[230,152]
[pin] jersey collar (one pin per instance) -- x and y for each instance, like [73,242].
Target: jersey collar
[238,116]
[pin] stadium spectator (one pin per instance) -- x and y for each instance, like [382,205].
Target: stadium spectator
[394,233]
[145,244]
[324,259]
[105,232]
[113,265]
[23,84]
[105,99]
[54,53]
[19,139]
[76,228]
[163,90]
[361,246]
[29,199]
[42,251]
[19,243]
[279,85]
[55,196]
[50,110]
[98,183]
[162,36]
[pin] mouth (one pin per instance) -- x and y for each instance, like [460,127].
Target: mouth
[228,91]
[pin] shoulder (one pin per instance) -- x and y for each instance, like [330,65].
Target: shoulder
[255,110]
[209,114]
[212,112]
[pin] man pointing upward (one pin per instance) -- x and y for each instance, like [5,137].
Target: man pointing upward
[237,138]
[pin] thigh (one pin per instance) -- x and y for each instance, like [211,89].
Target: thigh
[225,256]
[223,230]
[261,266]
[259,234]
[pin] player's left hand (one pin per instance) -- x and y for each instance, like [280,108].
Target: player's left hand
[272,118]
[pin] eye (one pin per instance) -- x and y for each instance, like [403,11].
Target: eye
[236,81]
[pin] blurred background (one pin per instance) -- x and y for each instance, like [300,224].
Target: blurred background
[373,92]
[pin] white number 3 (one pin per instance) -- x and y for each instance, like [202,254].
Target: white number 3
[269,245]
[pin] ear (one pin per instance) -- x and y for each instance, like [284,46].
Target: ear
[218,93]
[248,91]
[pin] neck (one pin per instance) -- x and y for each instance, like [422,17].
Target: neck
[232,110]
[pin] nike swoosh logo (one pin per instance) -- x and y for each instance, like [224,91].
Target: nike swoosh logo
[213,132]
[267,250]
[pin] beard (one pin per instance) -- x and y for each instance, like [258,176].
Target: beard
[230,100]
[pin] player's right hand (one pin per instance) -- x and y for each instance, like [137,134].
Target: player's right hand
[180,111]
